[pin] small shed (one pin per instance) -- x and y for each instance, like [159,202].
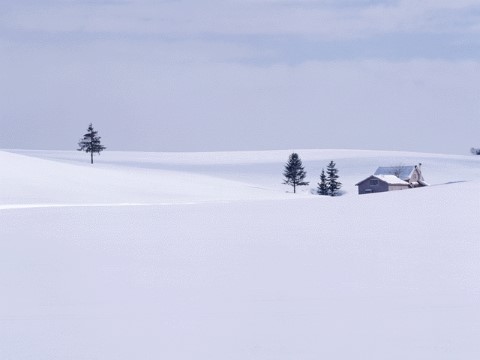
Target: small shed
[381,183]
[389,178]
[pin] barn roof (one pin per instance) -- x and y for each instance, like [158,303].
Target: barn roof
[389,179]
[402,172]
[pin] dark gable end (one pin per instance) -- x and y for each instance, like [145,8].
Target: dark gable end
[372,184]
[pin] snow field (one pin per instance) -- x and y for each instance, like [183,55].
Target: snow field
[267,276]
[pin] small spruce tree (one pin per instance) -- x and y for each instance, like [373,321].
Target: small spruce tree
[294,172]
[90,143]
[333,185]
[322,188]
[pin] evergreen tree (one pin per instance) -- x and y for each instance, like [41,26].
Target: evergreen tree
[322,188]
[333,185]
[90,143]
[294,172]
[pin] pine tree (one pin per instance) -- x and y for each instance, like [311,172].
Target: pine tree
[333,185]
[90,143]
[322,188]
[294,172]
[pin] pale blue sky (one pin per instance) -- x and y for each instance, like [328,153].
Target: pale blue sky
[241,74]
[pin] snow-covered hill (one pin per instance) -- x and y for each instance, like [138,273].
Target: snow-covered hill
[137,177]
[209,256]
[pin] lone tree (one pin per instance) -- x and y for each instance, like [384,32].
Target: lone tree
[294,172]
[90,143]
[322,188]
[333,185]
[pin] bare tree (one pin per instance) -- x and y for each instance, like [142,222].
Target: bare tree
[397,169]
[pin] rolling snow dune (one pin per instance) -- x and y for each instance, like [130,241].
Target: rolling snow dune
[29,180]
[207,256]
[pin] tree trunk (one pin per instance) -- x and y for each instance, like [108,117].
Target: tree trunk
[91,157]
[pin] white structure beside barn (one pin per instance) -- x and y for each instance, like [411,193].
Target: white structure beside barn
[392,178]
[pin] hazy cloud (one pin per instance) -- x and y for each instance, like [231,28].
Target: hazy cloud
[249,74]
[327,19]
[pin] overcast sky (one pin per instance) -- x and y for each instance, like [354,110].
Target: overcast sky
[204,75]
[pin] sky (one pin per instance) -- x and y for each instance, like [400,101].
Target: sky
[221,75]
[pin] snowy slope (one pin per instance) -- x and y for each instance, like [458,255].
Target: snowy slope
[28,180]
[264,168]
[217,261]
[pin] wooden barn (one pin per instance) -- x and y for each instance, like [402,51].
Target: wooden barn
[392,178]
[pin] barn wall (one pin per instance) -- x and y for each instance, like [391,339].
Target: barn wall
[364,186]
[397,187]
[414,177]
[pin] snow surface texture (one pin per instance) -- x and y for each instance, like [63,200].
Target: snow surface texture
[209,256]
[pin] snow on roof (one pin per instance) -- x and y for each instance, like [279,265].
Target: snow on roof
[402,172]
[423,183]
[391,179]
